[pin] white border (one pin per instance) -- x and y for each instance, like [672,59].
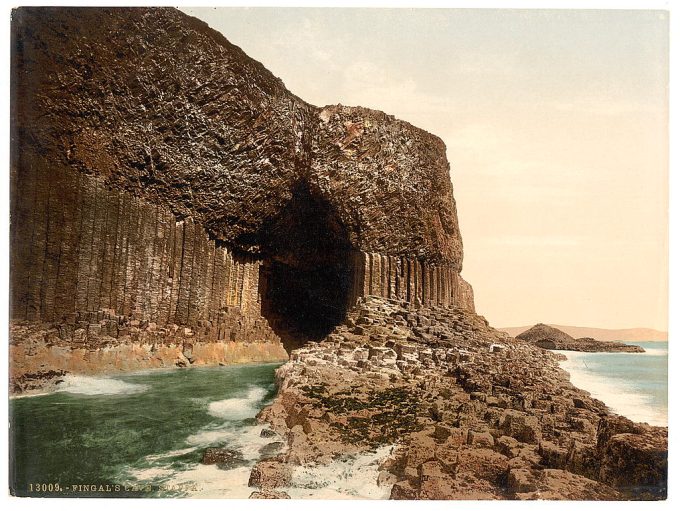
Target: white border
[674,304]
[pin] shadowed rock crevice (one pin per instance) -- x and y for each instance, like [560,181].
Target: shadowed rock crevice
[307,271]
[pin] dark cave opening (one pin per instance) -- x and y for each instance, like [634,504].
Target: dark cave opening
[307,271]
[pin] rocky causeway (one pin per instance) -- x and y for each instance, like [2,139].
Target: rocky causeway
[471,413]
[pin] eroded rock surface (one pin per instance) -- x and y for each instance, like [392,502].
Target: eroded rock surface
[471,412]
[174,204]
[156,102]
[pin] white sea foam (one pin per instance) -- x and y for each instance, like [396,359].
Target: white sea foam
[94,386]
[152,473]
[207,481]
[655,352]
[620,395]
[207,437]
[210,482]
[169,454]
[354,477]
[245,439]
[238,408]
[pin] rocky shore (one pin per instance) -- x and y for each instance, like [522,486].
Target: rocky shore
[102,342]
[547,337]
[471,413]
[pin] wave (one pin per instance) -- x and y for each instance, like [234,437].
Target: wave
[95,386]
[245,439]
[621,396]
[194,481]
[206,481]
[169,454]
[238,408]
[352,477]
[655,352]
[210,482]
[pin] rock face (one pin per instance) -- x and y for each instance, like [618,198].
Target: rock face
[167,189]
[471,413]
[545,336]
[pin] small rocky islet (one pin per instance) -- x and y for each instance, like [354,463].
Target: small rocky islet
[545,336]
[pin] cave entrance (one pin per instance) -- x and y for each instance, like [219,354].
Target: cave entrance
[307,271]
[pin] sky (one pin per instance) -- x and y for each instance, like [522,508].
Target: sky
[555,123]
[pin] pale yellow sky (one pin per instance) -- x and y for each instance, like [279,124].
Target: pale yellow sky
[556,129]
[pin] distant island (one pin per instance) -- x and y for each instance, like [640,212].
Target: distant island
[551,338]
[602,334]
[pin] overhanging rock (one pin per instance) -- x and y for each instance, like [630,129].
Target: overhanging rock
[161,176]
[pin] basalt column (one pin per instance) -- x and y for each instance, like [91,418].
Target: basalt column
[168,190]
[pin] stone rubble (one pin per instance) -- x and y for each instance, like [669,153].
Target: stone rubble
[475,414]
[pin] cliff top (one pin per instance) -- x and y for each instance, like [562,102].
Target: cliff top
[159,104]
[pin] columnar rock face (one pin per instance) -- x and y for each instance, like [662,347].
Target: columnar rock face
[390,182]
[92,248]
[162,177]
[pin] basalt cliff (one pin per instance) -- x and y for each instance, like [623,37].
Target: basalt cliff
[173,204]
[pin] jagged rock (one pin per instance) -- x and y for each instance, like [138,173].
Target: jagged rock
[191,184]
[552,484]
[206,206]
[271,473]
[552,455]
[521,426]
[442,433]
[480,439]
[222,457]
[508,424]
[403,490]
[521,480]
[636,462]
[508,446]
[269,494]
[271,449]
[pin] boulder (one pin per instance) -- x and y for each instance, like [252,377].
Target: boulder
[269,494]
[224,458]
[270,473]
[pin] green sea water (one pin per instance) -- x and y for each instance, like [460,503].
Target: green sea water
[141,435]
[634,385]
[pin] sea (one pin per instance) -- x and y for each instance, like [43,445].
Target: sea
[143,435]
[634,385]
